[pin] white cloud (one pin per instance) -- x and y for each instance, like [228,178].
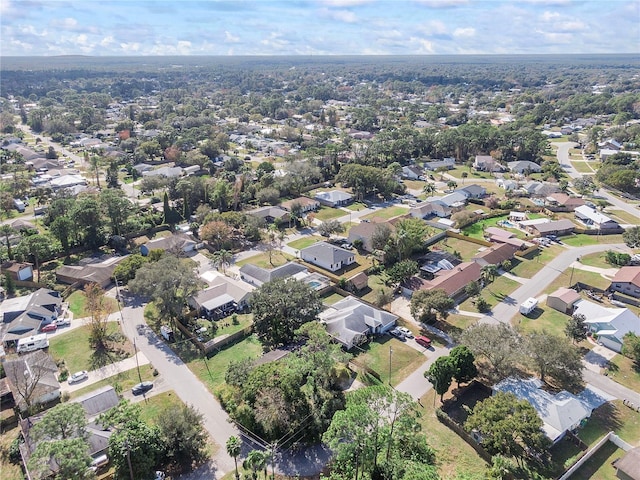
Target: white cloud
[442,3]
[574,26]
[434,27]
[130,46]
[556,37]
[275,41]
[67,23]
[21,46]
[344,3]
[464,32]
[31,30]
[339,15]
[420,46]
[549,16]
[230,38]
[106,41]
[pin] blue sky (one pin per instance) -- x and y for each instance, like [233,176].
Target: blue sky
[318,27]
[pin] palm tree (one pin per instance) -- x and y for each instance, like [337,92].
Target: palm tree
[489,272]
[452,184]
[429,189]
[234,446]
[255,461]
[7,231]
[222,259]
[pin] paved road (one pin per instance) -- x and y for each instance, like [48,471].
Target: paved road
[610,386]
[508,308]
[183,382]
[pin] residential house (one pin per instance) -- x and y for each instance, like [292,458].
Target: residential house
[259,276]
[448,163]
[223,297]
[561,412]
[67,181]
[21,271]
[91,270]
[32,379]
[271,214]
[306,204]
[563,300]
[609,324]
[486,163]
[453,199]
[365,231]
[412,172]
[627,281]
[334,198]
[518,217]
[594,219]
[554,227]
[177,243]
[168,172]
[327,256]
[451,281]
[429,209]
[496,254]
[24,316]
[350,321]
[507,184]
[473,191]
[610,144]
[628,466]
[561,202]
[524,166]
[539,189]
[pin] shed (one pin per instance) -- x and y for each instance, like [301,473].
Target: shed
[628,467]
[563,300]
[359,281]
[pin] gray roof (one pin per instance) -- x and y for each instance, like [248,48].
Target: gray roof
[328,252]
[522,165]
[98,401]
[269,211]
[554,225]
[263,275]
[334,196]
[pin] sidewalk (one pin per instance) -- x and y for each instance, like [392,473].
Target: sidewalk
[607,272]
[106,372]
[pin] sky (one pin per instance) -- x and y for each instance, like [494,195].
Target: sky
[318,27]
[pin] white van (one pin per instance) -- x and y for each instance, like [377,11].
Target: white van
[32,343]
[99,462]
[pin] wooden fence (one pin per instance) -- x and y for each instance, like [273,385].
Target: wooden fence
[444,418]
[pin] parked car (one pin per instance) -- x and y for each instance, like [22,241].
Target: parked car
[141,388]
[423,341]
[63,322]
[52,327]
[98,463]
[396,332]
[407,333]
[78,376]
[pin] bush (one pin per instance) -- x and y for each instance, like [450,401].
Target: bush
[482,305]
[14,450]
[64,374]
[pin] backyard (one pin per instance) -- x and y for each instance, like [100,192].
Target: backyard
[581,240]
[77,301]
[387,213]
[328,213]
[493,293]
[404,359]
[278,258]
[305,242]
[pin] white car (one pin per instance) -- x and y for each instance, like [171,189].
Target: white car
[78,376]
[407,333]
[63,322]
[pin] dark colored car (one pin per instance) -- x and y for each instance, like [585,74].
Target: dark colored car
[141,388]
[52,327]
[424,341]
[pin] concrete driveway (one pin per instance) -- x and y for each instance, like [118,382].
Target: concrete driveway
[598,358]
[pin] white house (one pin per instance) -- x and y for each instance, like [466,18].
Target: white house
[327,256]
[609,324]
[334,198]
[594,219]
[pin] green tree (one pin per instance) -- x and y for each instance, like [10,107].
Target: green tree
[631,346]
[222,259]
[425,302]
[508,426]
[169,282]
[38,247]
[463,362]
[280,307]
[402,271]
[87,214]
[234,448]
[410,236]
[489,273]
[183,436]
[472,289]
[380,236]
[127,268]
[554,356]
[256,461]
[429,189]
[116,207]
[452,184]
[62,228]
[7,231]
[61,438]
[576,328]
[631,237]
[498,344]
[440,374]
[584,185]
[330,227]
[111,175]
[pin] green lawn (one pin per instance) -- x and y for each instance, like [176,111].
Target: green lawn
[332,298]
[612,416]
[227,327]
[582,167]
[278,258]
[356,206]
[525,268]
[590,278]
[387,213]
[404,359]
[122,381]
[624,371]
[595,260]
[455,324]
[581,240]
[305,242]
[8,470]
[77,302]
[467,250]
[217,364]
[328,213]
[623,216]
[457,172]
[599,465]
[493,293]
[376,283]
[543,318]
[73,347]
[155,405]
[476,230]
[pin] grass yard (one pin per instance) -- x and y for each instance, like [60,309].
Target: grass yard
[543,318]
[278,258]
[305,242]
[8,470]
[332,298]
[356,206]
[612,416]
[581,240]
[155,405]
[404,359]
[493,293]
[454,456]
[328,213]
[77,302]
[414,184]
[590,278]
[595,260]
[211,372]
[525,268]
[122,381]
[227,327]
[624,217]
[74,348]
[476,230]
[457,323]
[624,371]
[599,465]
[376,283]
[467,250]
[387,213]
[582,167]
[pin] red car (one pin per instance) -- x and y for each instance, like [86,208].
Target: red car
[424,341]
[52,327]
